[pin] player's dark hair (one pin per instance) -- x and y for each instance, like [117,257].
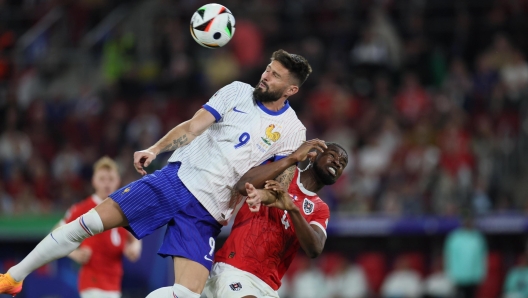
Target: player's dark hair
[296,64]
[328,144]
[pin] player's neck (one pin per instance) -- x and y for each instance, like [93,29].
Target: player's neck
[310,181]
[275,105]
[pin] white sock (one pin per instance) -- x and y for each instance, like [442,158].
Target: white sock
[59,243]
[177,290]
[182,292]
[165,292]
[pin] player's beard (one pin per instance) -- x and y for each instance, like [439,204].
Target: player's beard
[327,179]
[266,96]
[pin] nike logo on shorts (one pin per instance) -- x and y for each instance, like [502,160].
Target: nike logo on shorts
[205,257]
[238,111]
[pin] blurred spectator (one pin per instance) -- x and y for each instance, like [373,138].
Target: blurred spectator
[15,146]
[145,126]
[347,281]
[412,101]
[220,68]
[309,281]
[66,162]
[515,75]
[437,284]
[248,47]
[383,29]
[516,284]
[458,82]
[484,81]
[6,201]
[370,50]
[465,253]
[501,53]
[402,282]
[480,200]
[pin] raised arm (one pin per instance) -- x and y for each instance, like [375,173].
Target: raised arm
[177,137]
[281,170]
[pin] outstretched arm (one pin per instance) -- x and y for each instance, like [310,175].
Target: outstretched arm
[177,137]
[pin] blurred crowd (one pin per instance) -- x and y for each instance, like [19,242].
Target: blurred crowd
[428,97]
[464,268]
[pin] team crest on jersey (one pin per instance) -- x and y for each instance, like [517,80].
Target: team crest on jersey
[308,206]
[236,286]
[271,136]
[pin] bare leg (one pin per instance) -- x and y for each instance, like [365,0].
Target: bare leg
[190,274]
[111,214]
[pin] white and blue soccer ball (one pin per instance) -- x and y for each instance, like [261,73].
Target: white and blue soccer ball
[212,25]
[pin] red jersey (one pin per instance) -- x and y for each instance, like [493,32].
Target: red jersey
[104,270]
[264,243]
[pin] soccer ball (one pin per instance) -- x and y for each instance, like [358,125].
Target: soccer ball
[212,25]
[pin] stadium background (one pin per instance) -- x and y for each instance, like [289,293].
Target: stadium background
[428,96]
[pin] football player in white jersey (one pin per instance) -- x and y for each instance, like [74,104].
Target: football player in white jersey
[239,128]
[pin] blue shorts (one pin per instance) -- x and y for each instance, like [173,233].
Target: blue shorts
[161,198]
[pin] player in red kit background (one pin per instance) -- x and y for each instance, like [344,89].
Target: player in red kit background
[101,256]
[263,243]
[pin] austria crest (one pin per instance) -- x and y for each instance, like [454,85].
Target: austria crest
[308,206]
[236,286]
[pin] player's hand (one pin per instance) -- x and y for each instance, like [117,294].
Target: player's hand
[306,149]
[253,198]
[132,250]
[142,159]
[284,201]
[81,255]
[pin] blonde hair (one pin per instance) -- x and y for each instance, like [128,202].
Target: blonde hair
[105,163]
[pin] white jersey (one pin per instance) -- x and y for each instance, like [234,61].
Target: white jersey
[246,134]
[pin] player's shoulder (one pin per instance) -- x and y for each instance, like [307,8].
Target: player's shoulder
[292,120]
[313,205]
[240,86]
[318,202]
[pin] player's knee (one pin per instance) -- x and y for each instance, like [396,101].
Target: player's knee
[91,225]
[183,292]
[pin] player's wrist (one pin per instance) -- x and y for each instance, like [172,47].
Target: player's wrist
[154,150]
[293,159]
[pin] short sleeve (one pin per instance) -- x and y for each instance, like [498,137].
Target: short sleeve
[222,100]
[321,216]
[289,145]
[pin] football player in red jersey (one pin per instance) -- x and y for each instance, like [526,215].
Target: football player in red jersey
[101,256]
[264,239]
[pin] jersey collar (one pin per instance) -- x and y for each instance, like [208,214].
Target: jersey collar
[301,186]
[273,113]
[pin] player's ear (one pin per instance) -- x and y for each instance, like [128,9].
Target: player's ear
[292,90]
[312,158]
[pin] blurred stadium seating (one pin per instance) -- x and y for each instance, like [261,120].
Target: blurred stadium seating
[430,98]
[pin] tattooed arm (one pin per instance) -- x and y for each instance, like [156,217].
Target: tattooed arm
[267,196]
[177,137]
[282,170]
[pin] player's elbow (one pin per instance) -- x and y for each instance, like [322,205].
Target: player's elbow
[314,252]
[240,187]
